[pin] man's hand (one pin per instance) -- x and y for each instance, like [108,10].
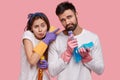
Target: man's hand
[85,53]
[71,44]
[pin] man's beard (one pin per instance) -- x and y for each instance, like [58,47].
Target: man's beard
[71,28]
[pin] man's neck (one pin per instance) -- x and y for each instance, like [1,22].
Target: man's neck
[77,31]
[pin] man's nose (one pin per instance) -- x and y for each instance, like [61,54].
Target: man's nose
[67,21]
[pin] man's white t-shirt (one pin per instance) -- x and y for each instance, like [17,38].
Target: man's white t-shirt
[73,70]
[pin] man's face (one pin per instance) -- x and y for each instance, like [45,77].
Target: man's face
[69,20]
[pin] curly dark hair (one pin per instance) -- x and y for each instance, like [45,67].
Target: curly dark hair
[64,6]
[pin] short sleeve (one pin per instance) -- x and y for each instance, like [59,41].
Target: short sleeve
[28,35]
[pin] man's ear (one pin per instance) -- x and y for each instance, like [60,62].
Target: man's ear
[76,13]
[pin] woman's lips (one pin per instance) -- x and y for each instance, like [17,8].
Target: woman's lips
[41,34]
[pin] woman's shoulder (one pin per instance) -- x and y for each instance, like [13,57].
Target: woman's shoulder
[28,34]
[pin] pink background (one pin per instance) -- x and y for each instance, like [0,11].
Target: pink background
[99,16]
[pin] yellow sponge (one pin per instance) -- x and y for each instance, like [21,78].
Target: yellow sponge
[52,28]
[40,48]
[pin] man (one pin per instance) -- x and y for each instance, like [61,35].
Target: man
[60,57]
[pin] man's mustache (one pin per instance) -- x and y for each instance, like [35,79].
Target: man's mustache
[67,26]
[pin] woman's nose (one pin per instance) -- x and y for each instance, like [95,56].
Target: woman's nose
[39,29]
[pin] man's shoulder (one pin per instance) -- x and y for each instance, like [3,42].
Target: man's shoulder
[90,32]
[60,34]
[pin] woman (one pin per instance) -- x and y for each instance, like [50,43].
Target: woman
[35,42]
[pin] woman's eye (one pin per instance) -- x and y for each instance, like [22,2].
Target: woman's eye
[36,26]
[43,25]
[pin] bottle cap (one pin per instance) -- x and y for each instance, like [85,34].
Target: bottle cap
[70,32]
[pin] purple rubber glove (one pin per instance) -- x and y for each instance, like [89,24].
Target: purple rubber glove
[43,64]
[50,36]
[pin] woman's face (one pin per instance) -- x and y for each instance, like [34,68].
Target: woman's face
[39,28]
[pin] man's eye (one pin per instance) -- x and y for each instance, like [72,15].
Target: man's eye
[69,17]
[62,20]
